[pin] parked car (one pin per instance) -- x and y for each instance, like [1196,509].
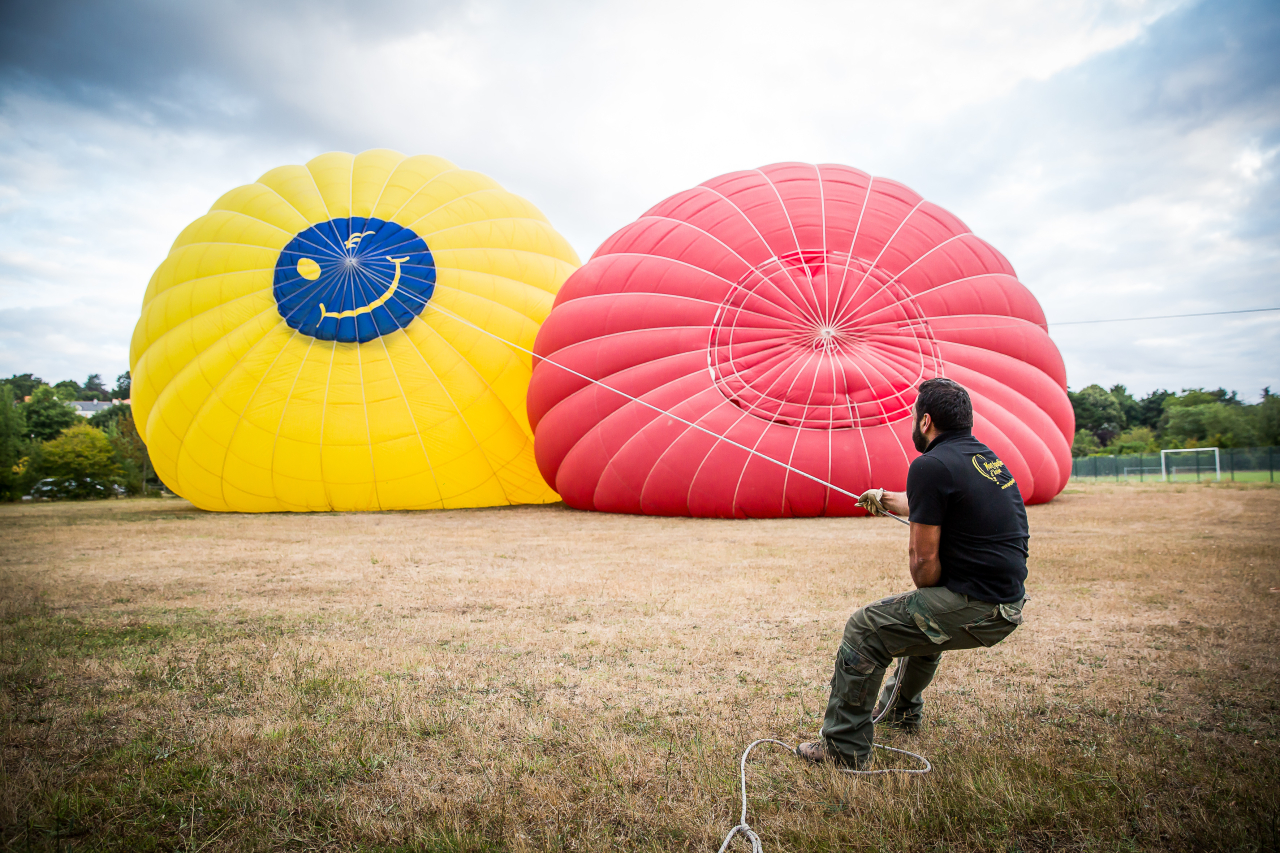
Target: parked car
[72,488]
[46,489]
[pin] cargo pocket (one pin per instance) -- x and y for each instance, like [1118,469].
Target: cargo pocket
[996,625]
[923,617]
[1012,612]
[853,676]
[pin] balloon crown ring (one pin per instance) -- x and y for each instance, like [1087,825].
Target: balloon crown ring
[798,340]
[353,279]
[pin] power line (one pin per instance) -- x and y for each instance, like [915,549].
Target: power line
[1164,316]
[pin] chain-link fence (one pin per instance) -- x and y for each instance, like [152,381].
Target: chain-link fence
[1239,464]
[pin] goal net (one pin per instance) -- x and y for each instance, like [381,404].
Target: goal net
[1190,462]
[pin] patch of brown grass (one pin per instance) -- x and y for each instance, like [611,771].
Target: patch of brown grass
[542,679]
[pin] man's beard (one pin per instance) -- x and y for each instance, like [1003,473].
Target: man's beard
[917,437]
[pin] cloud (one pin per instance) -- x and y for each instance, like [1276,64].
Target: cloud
[71,344]
[1121,154]
[1134,202]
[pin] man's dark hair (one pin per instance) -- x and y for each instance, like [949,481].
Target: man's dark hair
[946,402]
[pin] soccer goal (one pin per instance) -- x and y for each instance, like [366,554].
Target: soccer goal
[1166,473]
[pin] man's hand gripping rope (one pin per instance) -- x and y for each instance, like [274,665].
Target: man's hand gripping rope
[872,501]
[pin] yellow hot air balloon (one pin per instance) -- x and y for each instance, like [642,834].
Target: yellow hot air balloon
[330,338]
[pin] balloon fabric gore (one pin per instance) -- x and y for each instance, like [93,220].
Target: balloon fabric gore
[792,310]
[301,349]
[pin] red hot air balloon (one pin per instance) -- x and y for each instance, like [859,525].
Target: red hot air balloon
[786,315]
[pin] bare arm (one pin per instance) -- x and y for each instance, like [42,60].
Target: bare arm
[926,568]
[895,502]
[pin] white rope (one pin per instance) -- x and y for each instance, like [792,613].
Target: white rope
[744,829]
[657,409]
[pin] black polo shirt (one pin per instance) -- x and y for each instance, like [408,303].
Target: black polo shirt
[958,484]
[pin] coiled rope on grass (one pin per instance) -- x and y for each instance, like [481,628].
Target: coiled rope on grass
[744,829]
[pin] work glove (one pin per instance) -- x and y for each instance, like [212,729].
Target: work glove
[870,501]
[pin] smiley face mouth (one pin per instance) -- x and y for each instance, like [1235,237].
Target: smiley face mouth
[355,312]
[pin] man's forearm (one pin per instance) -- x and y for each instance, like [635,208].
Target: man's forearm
[895,502]
[925,573]
[925,562]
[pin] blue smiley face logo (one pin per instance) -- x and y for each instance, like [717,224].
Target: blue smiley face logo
[353,280]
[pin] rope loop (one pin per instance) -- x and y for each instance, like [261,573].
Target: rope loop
[745,829]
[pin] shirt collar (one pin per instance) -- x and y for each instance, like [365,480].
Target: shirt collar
[949,435]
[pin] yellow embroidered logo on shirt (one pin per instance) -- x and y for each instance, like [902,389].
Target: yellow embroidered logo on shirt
[992,470]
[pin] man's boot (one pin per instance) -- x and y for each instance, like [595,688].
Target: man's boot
[819,753]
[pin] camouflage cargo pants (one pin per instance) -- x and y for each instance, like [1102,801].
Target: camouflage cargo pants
[918,626]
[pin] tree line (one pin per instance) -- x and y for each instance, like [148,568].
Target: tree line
[1116,422]
[46,446]
[24,385]
[44,441]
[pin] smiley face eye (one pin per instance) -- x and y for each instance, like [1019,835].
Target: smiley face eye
[308,269]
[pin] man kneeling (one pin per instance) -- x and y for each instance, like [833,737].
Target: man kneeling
[968,554]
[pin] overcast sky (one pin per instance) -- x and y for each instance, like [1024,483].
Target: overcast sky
[1122,155]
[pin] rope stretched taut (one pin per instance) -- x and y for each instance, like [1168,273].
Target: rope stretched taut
[743,827]
[657,409]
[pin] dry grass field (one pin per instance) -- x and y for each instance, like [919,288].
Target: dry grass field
[541,679]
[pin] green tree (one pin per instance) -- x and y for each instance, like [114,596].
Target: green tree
[1098,412]
[93,388]
[23,385]
[124,383]
[1211,425]
[80,457]
[1151,410]
[13,443]
[131,453]
[1201,397]
[69,390]
[1134,440]
[1085,443]
[1266,419]
[1129,407]
[108,416]
[46,415]
[1140,413]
